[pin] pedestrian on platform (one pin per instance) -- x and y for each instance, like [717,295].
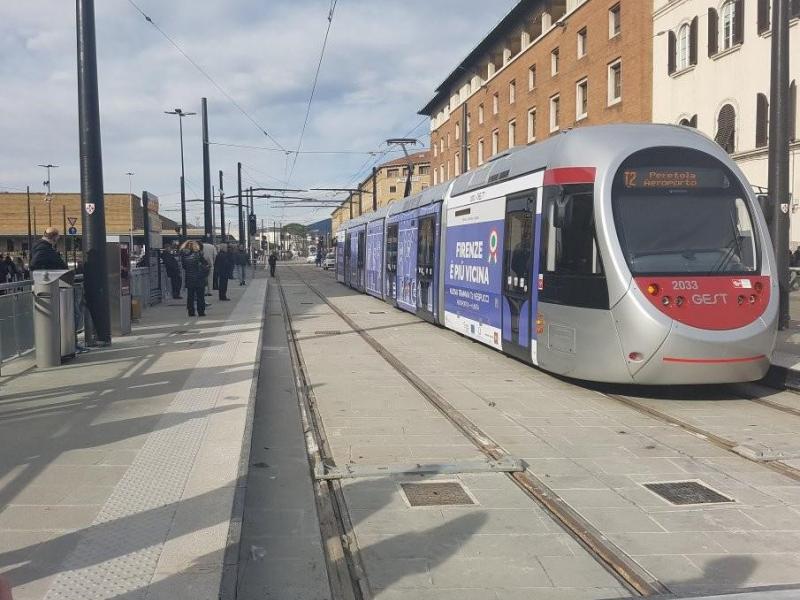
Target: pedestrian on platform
[23,271]
[44,254]
[5,590]
[242,261]
[223,268]
[795,258]
[196,268]
[174,273]
[273,261]
[210,254]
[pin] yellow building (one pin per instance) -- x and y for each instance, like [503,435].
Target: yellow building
[390,181]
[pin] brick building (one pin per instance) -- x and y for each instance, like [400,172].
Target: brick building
[548,66]
[390,180]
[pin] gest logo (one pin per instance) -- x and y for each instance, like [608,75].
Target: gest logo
[710,299]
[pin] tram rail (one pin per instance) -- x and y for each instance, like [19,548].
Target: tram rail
[624,568]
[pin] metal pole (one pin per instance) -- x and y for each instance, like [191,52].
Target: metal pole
[92,195]
[208,212]
[213,219]
[779,151]
[241,214]
[374,189]
[221,209]
[30,234]
[183,186]
[351,205]
[64,231]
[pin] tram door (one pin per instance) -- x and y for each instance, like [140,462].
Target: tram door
[517,269]
[347,244]
[390,289]
[361,258]
[426,248]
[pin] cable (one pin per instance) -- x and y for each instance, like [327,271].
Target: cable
[313,88]
[206,75]
[370,152]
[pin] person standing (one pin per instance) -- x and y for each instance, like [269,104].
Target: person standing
[44,254]
[273,261]
[197,270]
[23,271]
[223,268]
[210,253]
[174,273]
[241,264]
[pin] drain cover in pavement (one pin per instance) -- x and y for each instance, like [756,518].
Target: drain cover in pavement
[444,493]
[686,492]
[328,332]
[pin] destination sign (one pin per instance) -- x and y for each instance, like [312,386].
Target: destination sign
[675,178]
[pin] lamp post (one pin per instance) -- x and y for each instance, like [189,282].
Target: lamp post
[48,198]
[130,175]
[180,113]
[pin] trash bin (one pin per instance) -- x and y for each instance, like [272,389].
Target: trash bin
[67,312]
[47,316]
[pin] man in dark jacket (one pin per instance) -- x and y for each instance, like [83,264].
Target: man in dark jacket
[241,263]
[196,269]
[174,274]
[44,254]
[273,261]
[223,268]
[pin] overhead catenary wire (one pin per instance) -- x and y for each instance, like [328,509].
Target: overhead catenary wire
[207,75]
[331,12]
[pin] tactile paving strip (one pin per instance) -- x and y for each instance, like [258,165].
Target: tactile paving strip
[118,554]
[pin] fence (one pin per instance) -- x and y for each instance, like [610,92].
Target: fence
[145,286]
[16,319]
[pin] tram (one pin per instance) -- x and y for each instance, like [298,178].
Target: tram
[616,253]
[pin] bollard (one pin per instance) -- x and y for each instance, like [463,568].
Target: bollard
[67,319]
[46,313]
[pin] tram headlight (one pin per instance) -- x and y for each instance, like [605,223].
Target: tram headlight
[653,289]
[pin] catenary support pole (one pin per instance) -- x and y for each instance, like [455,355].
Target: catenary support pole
[30,233]
[221,209]
[779,151]
[241,207]
[374,189]
[91,161]
[208,208]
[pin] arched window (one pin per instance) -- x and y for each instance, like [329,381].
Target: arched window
[689,122]
[684,35]
[728,18]
[726,129]
[762,120]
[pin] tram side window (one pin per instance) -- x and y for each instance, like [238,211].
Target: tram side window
[425,245]
[571,265]
[391,249]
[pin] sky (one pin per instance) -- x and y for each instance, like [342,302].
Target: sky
[383,62]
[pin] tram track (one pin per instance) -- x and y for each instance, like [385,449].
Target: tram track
[619,564]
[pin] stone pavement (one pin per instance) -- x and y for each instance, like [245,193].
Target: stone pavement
[593,451]
[118,471]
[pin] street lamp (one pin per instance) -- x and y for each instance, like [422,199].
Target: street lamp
[48,198]
[181,114]
[130,175]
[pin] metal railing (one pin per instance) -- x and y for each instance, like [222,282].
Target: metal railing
[16,319]
[144,286]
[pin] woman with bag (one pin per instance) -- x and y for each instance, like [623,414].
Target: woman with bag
[196,269]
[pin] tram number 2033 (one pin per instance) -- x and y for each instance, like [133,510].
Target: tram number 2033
[685,285]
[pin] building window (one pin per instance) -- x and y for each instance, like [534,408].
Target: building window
[762,120]
[469,157]
[726,129]
[532,125]
[448,140]
[435,150]
[496,104]
[614,82]
[689,122]
[393,173]
[512,92]
[480,114]
[441,174]
[683,47]
[480,152]
[582,99]
[555,113]
[435,177]
[512,134]
[458,131]
[614,21]
[424,169]
[532,78]
[392,189]
[728,19]
[554,62]
[469,123]
[441,145]
[457,164]
[765,15]
[582,43]
[495,142]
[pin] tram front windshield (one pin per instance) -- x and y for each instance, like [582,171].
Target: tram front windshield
[681,211]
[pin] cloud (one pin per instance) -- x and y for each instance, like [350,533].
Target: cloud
[383,62]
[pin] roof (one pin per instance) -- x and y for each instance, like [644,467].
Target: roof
[515,16]
[416,158]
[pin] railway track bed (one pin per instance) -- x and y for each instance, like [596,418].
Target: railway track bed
[620,495]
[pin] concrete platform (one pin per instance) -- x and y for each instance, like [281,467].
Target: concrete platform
[118,471]
[596,453]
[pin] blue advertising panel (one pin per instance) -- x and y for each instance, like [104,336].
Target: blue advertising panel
[352,258]
[473,271]
[407,262]
[375,258]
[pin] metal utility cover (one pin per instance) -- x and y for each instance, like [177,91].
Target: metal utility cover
[328,332]
[439,493]
[682,493]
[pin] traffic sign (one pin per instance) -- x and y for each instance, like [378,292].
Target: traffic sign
[72,221]
[72,231]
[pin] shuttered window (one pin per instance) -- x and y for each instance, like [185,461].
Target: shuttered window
[793,112]
[726,129]
[762,120]
[763,16]
[713,31]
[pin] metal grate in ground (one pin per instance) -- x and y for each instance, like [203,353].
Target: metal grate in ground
[681,493]
[438,493]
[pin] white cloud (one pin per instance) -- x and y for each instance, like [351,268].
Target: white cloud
[383,62]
